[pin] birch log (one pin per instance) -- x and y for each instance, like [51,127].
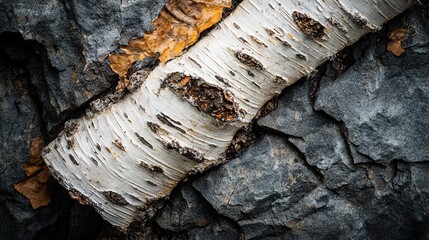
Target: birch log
[181,120]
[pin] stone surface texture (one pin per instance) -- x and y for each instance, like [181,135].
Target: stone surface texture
[344,156]
[77,37]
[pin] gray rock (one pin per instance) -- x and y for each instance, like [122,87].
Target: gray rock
[220,229]
[20,123]
[383,99]
[189,212]
[186,210]
[244,189]
[296,112]
[71,40]
[316,135]
[353,202]
[84,222]
[321,215]
[378,111]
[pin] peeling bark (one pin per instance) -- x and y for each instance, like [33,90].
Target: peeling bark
[152,139]
[178,26]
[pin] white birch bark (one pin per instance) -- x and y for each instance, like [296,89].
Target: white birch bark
[129,155]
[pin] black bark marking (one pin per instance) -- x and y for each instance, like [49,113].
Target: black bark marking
[206,97]
[279,80]
[243,40]
[167,121]
[249,60]
[269,31]
[126,116]
[259,42]
[46,150]
[283,42]
[94,161]
[103,103]
[152,168]
[151,183]
[362,22]
[98,147]
[142,140]
[69,143]
[256,85]
[250,73]
[308,25]
[222,80]
[74,194]
[119,145]
[301,56]
[243,112]
[188,152]
[71,127]
[115,198]
[156,128]
[338,25]
[236,25]
[73,160]
[170,119]
[195,62]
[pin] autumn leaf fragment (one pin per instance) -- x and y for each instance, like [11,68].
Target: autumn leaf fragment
[397,37]
[36,187]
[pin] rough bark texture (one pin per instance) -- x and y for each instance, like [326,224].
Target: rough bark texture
[344,155]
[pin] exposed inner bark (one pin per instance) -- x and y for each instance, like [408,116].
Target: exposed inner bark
[308,25]
[178,26]
[207,98]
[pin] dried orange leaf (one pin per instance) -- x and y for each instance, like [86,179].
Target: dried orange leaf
[37,185]
[36,188]
[36,163]
[395,48]
[396,37]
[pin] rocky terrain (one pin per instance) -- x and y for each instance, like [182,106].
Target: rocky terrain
[344,156]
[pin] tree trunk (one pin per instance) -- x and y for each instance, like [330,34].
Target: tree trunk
[129,155]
